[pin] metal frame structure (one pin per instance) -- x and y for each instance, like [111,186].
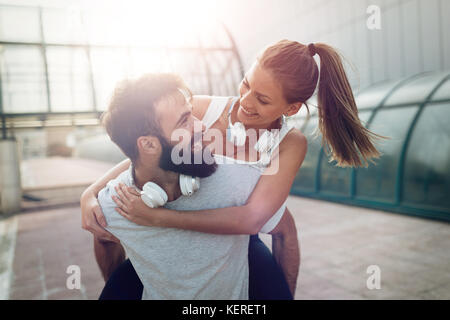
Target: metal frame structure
[8,119]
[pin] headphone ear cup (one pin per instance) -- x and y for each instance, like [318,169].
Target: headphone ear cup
[189,185]
[182,186]
[153,195]
[196,183]
[240,141]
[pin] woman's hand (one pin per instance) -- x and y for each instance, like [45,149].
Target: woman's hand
[132,207]
[92,218]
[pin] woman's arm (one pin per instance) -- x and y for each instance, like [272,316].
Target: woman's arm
[286,249]
[92,218]
[109,175]
[267,197]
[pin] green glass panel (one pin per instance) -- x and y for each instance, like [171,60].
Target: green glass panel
[443,93]
[63,25]
[69,78]
[427,168]
[23,79]
[373,96]
[19,24]
[105,76]
[377,182]
[417,90]
[305,179]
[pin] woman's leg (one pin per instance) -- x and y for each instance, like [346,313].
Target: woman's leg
[266,279]
[124,284]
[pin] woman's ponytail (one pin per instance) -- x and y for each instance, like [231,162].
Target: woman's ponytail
[343,134]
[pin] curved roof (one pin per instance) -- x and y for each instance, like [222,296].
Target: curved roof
[413,174]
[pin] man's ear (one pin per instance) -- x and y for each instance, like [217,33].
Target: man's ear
[293,109]
[149,145]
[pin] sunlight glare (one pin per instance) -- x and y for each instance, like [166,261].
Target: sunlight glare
[170,23]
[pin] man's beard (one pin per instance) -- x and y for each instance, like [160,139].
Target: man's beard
[193,168]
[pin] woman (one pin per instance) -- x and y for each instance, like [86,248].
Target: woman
[280,81]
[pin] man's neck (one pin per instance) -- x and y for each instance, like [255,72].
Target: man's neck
[168,180]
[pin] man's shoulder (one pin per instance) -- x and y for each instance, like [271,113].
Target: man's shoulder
[104,196]
[116,223]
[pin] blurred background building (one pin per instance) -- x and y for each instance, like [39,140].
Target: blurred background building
[59,63]
[60,60]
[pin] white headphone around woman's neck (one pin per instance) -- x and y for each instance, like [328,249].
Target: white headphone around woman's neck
[154,196]
[236,134]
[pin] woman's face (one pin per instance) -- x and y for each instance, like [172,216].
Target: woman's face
[261,98]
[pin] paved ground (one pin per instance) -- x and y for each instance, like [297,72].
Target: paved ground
[57,180]
[338,243]
[59,172]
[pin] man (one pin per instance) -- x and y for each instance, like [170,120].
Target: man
[171,263]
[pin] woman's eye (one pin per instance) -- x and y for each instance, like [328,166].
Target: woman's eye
[262,102]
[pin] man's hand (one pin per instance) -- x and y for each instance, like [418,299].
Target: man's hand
[92,218]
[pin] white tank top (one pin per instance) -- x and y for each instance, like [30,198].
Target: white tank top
[255,169]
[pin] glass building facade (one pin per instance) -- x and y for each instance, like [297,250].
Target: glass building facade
[413,174]
[62,60]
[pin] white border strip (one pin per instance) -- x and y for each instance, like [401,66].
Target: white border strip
[8,234]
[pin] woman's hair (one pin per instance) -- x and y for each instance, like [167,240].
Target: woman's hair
[343,135]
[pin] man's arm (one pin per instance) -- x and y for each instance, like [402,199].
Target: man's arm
[286,249]
[109,256]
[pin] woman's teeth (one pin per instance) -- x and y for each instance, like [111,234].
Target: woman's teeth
[248,113]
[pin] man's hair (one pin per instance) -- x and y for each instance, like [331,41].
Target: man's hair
[131,111]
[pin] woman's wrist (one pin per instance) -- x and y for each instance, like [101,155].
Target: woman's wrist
[167,218]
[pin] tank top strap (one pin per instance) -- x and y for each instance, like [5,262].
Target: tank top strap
[285,129]
[215,110]
[233,102]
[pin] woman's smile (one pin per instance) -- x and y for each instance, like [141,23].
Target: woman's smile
[247,113]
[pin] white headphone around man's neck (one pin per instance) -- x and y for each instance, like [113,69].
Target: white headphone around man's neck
[154,196]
